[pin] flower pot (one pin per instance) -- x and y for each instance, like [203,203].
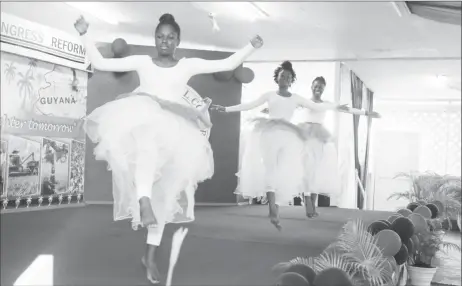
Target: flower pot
[421,276]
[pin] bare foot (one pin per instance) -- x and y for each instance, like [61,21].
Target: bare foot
[147,215]
[275,221]
[152,272]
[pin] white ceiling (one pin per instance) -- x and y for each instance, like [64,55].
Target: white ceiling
[357,31]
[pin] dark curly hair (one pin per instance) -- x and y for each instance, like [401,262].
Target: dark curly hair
[285,66]
[168,19]
[321,79]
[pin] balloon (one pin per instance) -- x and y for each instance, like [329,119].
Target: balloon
[402,255]
[386,222]
[410,246]
[420,223]
[392,218]
[422,202]
[304,270]
[244,75]
[433,208]
[424,211]
[404,212]
[376,227]
[120,48]
[280,268]
[223,76]
[292,279]
[439,205]
[333,277]
[404,227]
[389,242]
[412,206]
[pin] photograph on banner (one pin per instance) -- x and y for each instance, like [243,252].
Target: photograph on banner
[44,104]
[55,167]
[76,178]
[23,166]
[3,166]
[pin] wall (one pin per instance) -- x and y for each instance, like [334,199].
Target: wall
[414,137]
[224,138]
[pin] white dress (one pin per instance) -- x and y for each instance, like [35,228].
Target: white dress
[320,158]
[272,159]
[153,137]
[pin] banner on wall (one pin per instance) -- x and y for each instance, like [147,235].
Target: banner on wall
[42,140]
[24,33]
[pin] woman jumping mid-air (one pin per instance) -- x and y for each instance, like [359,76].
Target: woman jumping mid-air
[320,159]
[272,164]
[151,139]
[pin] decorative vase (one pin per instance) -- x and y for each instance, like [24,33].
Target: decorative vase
[421,276]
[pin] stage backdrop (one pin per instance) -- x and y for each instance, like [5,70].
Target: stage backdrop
[224,137]
[42,143]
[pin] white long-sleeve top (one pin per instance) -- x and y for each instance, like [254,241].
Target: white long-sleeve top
[281,107]
[167,83]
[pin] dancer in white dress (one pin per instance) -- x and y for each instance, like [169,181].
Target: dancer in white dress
[151,139]
[272,164]
[320,159]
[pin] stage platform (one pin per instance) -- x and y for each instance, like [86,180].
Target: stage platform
[225,245]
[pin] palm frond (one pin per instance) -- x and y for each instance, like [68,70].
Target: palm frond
[402,195]
[309,261]
[333,260]
[360,248]
[448,246]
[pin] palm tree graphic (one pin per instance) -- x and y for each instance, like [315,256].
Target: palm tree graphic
[25,86]
[10,72]
[32,64]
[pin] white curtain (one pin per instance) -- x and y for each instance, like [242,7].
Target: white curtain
[346,160]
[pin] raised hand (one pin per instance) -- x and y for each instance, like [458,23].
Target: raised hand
[343,107]
[374,114]
[218,108]
[257,42]
[81,25]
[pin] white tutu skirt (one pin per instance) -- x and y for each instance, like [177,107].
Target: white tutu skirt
[320,161]
[272,161]
[142,136]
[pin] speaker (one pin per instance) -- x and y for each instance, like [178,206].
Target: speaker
[323,201]
[297,201]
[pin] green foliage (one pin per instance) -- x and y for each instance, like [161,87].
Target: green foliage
[431,242]
[355,252]
[429,186]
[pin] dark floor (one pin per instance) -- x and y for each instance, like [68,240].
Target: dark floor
[224,246]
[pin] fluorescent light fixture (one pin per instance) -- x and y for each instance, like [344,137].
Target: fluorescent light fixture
[40,272]
[92,9]
[249,11]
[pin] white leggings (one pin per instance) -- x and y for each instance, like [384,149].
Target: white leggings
[155,234]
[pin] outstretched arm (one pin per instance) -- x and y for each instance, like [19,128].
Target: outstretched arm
[350,110]
[130,63]
[322,106]
[248,105]
[201,66]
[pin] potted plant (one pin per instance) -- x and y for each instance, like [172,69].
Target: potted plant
[353,259]
[427,187]
[421,263]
